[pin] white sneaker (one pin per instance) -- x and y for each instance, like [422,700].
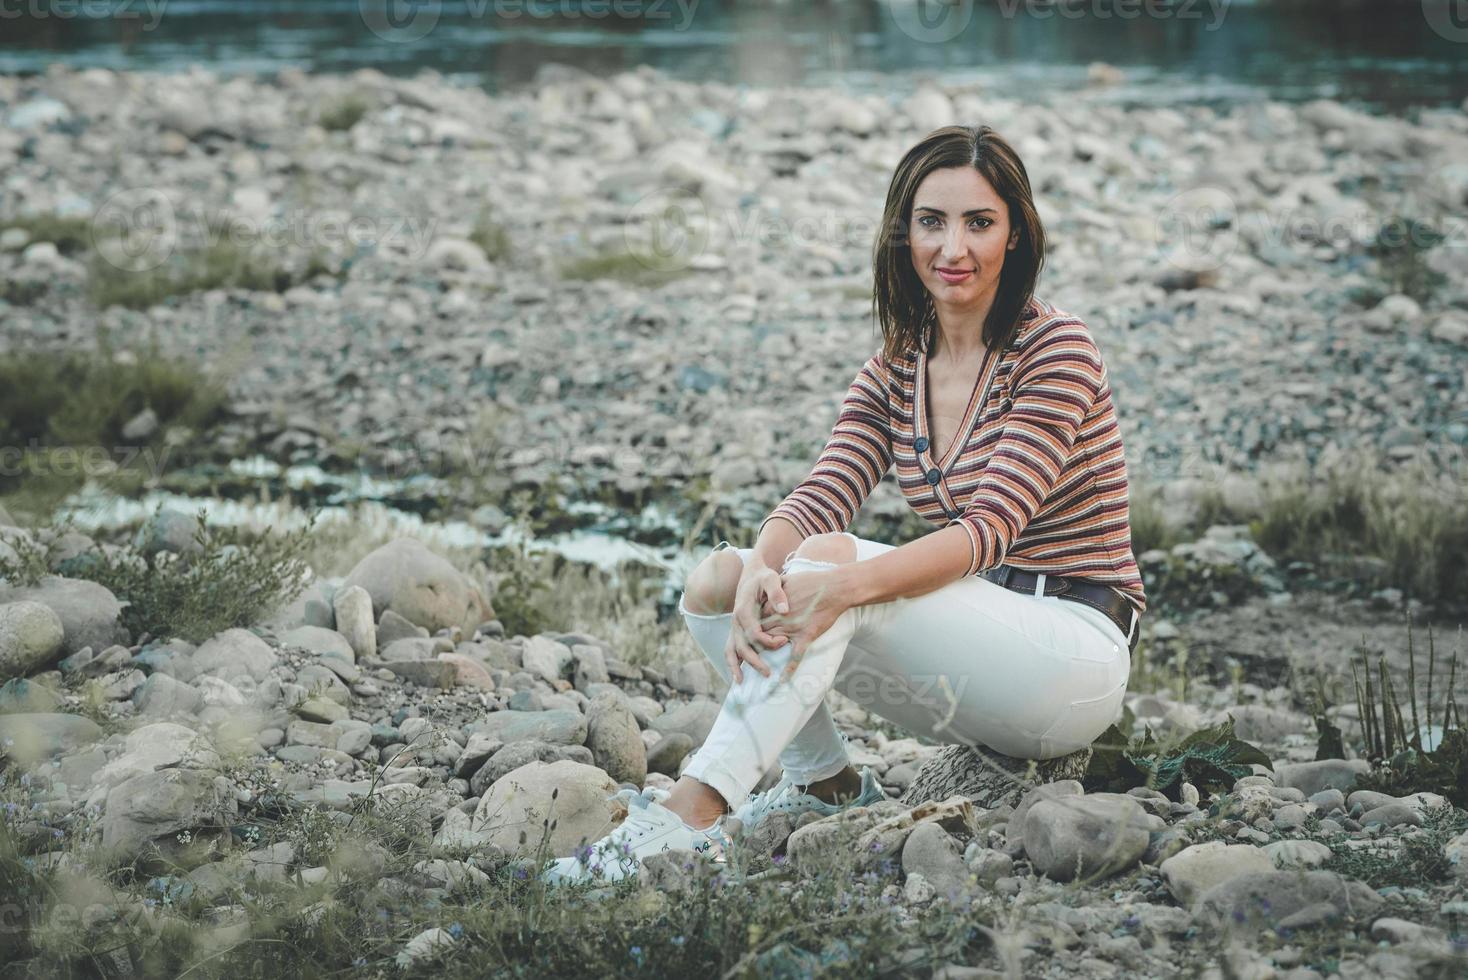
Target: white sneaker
[649,829]
[783,797]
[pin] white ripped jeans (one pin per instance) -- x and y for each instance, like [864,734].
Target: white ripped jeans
[1031,676]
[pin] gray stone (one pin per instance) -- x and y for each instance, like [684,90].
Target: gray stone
[591,667]
[168,530]
[1313,777]
[517,754]
[352,608]
[1101,834]
[615,740]
[354,736]
[89,613]
[546,658]
[392,627]
[559,727]
[425,673]
[1264,899]
[29,737]
[321,710]
[164,696]
[1014,831]
[153,804]
[31,638]
[322,642]
[405,577]
[668,753]
[1287,854]
[1263,723]
[692,718]
[1193,870]
[1392,815]
[235,655]
[21,695]
[409,648]
[520,803]
[987,864]
[475,753]
[932,852]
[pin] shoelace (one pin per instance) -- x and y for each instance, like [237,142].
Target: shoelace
[763,801]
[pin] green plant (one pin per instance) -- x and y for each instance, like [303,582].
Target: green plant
[219,265]
[1212,759]
[1409,861]
[227,581]
[64,414]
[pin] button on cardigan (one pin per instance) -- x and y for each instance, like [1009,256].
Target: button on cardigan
[1036,475]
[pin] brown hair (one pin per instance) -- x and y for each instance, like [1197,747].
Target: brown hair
[901,303]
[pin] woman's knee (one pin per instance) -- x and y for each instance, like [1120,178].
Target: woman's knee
[838,547]
[709,589]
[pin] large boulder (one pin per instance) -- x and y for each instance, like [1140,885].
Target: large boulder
[31,737]
[31,637]
[1091,836]
[161,745]
[89,613]
[1254,902]
[584,808]
[157,804]
[614,738]
[1193,870]
[236,656]
[405,577]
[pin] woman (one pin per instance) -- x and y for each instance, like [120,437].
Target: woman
[1011,624]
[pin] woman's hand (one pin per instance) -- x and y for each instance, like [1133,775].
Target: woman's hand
[816,601]
[760,594]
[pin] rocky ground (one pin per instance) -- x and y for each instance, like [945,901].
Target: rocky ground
[1223,257]
[426,245]
[397,682]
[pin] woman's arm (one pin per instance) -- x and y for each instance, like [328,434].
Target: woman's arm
[920,566]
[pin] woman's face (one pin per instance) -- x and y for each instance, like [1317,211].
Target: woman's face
[959,233]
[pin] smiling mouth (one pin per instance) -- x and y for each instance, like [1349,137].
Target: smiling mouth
[955,275]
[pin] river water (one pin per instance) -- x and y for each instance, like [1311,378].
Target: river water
[1387,54]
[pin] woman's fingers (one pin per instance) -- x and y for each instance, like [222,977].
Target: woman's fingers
[733,660]
[746,652]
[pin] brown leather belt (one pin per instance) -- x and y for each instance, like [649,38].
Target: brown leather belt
[1112,603]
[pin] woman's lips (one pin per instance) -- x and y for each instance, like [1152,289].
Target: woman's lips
[950,276]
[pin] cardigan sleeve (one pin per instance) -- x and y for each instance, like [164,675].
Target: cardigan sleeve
[857,455]
[1054,385]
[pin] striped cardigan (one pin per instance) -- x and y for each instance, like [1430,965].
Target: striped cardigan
[1036,475]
